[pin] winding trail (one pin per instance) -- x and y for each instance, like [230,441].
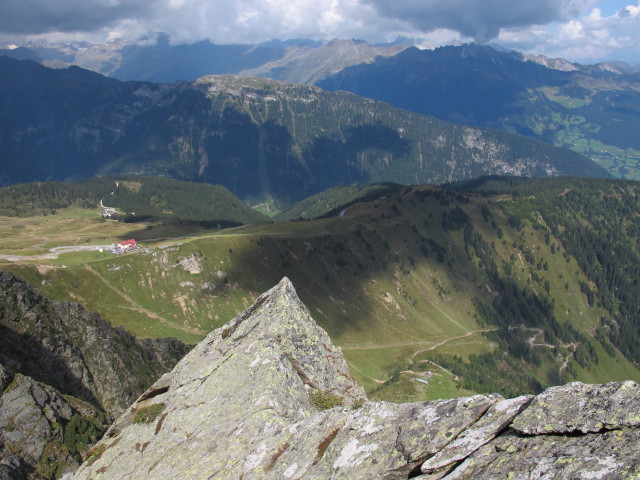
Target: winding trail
[532,340]
[444,342]
[415,344]
[411,344]
[564,365]
[139,308]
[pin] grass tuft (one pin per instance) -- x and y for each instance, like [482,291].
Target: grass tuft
[324,400]
[148,414]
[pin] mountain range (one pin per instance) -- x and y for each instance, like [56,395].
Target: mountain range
[592,109]
[488,283]
[295,61]
[259,138]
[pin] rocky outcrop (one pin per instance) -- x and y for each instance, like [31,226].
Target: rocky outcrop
[43,431]
[77,351]
[267,396]
[64,372]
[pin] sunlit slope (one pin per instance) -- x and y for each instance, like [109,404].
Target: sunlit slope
[430,292]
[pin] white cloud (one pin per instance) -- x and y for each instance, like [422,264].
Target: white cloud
[552,27]
[587,39]
[481,20]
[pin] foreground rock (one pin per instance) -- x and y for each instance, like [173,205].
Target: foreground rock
[64,373]
[268,396]
[35,421]
[77,351]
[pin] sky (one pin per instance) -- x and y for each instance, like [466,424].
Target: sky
[584,31]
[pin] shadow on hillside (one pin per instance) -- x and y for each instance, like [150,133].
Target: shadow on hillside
[334,262]
[25,354]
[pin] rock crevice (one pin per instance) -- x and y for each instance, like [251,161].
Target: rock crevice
[245,404]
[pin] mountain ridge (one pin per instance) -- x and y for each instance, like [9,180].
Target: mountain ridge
[590,109]
[256,137]
[296,60]
[125,56]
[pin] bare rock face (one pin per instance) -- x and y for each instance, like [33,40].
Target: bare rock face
[595,408]
[40,427]
[27,410]
[64,372]
[75,350]
[267,396]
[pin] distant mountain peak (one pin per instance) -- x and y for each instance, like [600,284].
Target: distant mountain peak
[553,63]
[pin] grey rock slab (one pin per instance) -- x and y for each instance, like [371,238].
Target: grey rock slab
[578,407]
[493,422]
[385,440]
[609,455]
[380,440]
[230,403]
[30,417]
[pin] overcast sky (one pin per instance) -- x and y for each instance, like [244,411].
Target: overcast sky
[584,31]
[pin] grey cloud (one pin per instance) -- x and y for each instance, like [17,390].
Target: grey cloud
[478,19]
[43,16]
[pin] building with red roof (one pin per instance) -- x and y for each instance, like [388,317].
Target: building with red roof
[125,245]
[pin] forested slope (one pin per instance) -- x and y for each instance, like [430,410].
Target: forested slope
[500,284]
[258,138]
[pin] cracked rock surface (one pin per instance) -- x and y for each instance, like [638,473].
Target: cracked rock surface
[268,396]
[64,372]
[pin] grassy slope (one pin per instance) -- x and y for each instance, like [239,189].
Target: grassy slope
[364,277]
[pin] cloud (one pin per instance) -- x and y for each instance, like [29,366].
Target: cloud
[480,20]
[222,21]
[43,16]
[248,20]
[552,27]
[588,39]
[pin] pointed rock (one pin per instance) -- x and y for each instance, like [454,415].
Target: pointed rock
[222,407]
[268,397]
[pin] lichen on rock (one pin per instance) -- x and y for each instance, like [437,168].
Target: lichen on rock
[240,405]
